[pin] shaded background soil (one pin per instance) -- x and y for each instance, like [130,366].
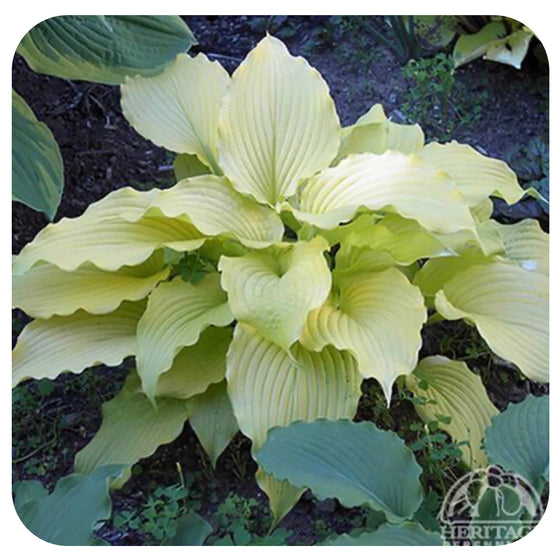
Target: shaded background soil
[101,153]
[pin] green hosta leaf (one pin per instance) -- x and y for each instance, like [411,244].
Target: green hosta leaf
[179,108]
[278,124]
[176,315]
[113,233]
[211,204]
[196,367]
[393,181]
[355,463]
[104,49]
[449,389]
[26,491]
[407,534]
[435,31]
[46,290]
[518,439]
[67,515]
[191,530]
[268,388]
[211,417]
[509,307]
[48,347]
[511,49]
[274,290]
[377,316]
[37,168]
[132,428]
[470,47]
[186,166]
[475,175]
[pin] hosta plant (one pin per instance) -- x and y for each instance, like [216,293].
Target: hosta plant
[293,259]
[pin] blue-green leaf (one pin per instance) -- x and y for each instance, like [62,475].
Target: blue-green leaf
[37,168]
[105,49]
[518,439]
[407,534]
[67,515]
[358,464]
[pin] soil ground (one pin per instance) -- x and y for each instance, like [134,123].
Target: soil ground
[101,153]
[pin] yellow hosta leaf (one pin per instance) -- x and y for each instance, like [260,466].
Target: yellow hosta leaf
[273,290]
[392,181]
[211,417]
[374,133]
[509,307]
[126,203]
[268,389]
[475,175]
[483,211]
[48,347]
[370,138]
[378,317]
[405,138]
[215,208]
[132,428]
[511,49]
[437,272]
[46,290]
[196,367]
[107,241]
[403,240]
[375,114]
[450,389]
[179,108]
[278,123]
[176,315]
[525,243]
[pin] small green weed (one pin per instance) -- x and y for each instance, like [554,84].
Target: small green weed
[436,100]
[244,522]
[437,454]
[156,519]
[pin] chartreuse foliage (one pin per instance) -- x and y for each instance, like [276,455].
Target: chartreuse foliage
[103,49]
[450,391]
[497,38]
[293,259]
[501,40]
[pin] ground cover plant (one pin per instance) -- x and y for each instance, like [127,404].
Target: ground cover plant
[287,277]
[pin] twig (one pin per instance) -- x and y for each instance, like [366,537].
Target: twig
[35,451]
[224,56]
